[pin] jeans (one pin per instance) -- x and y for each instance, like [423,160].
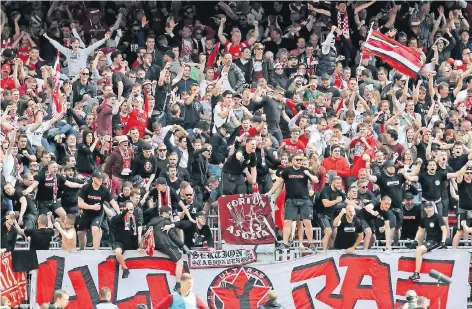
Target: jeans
[214,170]
[277,133]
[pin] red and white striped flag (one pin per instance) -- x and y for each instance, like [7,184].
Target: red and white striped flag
[56,78]
[402,58]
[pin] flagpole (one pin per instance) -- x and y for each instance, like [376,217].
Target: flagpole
[360,58]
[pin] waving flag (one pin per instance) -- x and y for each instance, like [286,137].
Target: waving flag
[56,94]
[403,59]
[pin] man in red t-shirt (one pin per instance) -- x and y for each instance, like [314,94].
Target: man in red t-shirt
[363,144]
[235,46]
[7,80]
[293,145]
[251,126]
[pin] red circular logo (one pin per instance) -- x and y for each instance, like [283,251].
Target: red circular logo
[239,288]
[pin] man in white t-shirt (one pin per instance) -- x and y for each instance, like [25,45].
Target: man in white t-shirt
[35,133]
[223,110]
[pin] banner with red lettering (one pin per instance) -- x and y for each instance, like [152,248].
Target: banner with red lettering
[246,220]
[368,280]
[12,284]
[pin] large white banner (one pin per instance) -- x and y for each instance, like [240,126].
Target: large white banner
[358,281]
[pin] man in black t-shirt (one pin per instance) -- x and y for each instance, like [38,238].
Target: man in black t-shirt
[122,85]
[24,205]
[145,165]
[349,230]
[40,237]
[464,184]
[411,217]
[391,184]
[48,182]
[124,233]
[91,200]
[330,198]
[163,195]
[233,181]
[298,204]
[436,234]
[195,234]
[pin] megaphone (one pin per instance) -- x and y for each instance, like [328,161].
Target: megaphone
[442,278]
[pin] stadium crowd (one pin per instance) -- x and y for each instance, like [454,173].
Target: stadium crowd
[118,116]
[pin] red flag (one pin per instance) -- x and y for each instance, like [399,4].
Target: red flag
[149,241]
[213,56]
[403,59]
[246,219]
[57,96]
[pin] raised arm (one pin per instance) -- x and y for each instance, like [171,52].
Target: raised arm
[221,37]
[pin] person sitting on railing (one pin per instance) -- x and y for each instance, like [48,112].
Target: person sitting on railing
[195,234]
[40,237]
[124,233]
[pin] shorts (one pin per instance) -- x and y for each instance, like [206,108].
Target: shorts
[395,216]
[367,224]
[443,207]
[324,222]
[124,246]
[431,245]
[87,221]
[233,184]
[298,207]
[48,206]
[464,215]
[173,253]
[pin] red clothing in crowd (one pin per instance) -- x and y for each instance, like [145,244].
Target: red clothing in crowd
[252,132]
[138,120]
[291,147]
[358,148]
[23,53]
[340,165]
[235,50]
[8,83]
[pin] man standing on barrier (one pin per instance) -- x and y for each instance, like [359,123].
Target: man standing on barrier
[233,181]
[436,234]
[124,233]
[297,201]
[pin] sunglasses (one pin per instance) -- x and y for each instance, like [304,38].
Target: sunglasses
[198,33]
[363,187]
[468,173]
[189,194]
[162,149]
[298,159]
[86,74]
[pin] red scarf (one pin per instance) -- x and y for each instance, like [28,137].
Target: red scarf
[343,24]
[54,186]
[149,241]
[126,158]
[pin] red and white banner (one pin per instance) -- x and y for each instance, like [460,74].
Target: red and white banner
[402,58]
[246,220]
[357,281]
[12,284]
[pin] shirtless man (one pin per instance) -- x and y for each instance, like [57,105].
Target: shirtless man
[69,235]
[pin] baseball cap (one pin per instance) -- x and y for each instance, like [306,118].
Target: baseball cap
[428,204]
[325,76]
[97,174]
[292,57]
[6,68]
[137,180]
[469,168]
[146,146]
[161,181]
[9,54]
[409,196]
[388,163]
[256,119]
